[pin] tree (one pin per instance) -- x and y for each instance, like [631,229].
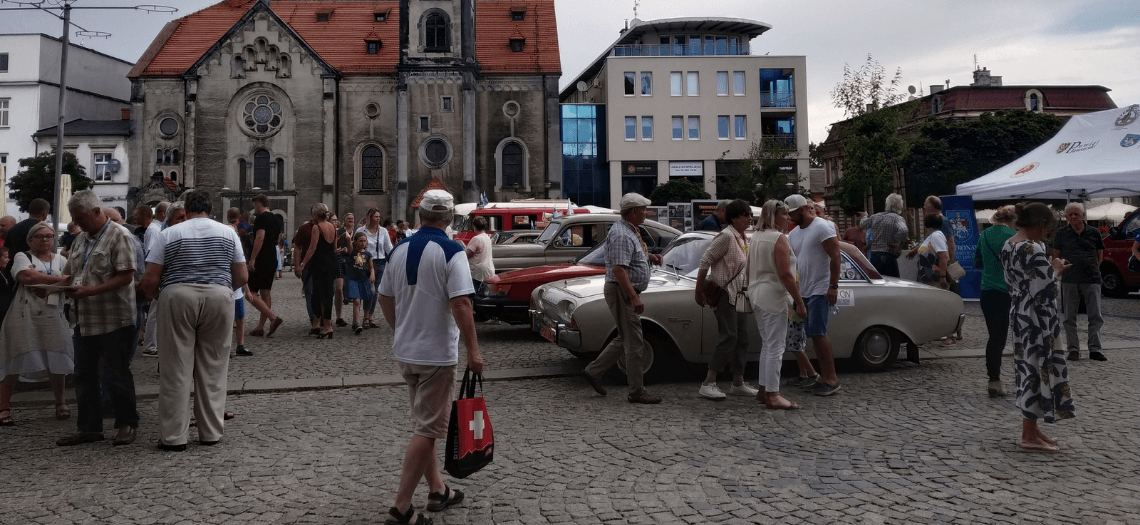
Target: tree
[36,178]
[677,190]
[946,154]
[872,147]
[814,159]
[768,171]
[866,89]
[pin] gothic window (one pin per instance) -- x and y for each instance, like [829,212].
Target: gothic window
[512,168]
[435,33]
[242,177]
[174,157]
[371,169]
[262,115]
[261,169]
[158,156]
[166,157]
[280,175]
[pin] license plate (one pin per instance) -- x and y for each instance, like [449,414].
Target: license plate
[548,333]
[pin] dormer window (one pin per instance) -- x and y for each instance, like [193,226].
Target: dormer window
[380,16]
[324,16]
[436,33]
[1034,101]
[517,44]
[372,46]
[518,12]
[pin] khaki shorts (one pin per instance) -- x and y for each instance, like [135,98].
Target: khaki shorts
[430,393]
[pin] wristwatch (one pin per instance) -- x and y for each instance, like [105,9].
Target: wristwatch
[835,286]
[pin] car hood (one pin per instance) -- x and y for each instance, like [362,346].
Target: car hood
[545,274]
[583,287]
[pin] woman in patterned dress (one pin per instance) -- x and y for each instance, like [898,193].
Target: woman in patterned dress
[1042,373]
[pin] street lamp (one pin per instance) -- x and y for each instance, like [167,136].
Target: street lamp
[65,9]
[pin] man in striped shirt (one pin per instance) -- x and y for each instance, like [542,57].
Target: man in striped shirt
[197,265]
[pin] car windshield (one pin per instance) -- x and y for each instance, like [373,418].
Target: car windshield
[548,233]
[461,223]
[595,257]
[684,254]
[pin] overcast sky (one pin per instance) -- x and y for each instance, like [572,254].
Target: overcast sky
[1041,42]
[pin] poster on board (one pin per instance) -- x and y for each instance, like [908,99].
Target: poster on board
[681,215]
[702,209]
[657,213]
[958,210]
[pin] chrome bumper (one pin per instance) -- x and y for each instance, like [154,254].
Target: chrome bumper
[562,334]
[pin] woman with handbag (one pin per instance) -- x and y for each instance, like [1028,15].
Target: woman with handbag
[995,299]
[35,342]
[722,283]
[772,288]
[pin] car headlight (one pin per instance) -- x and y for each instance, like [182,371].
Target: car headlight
[498,290]
[564,309]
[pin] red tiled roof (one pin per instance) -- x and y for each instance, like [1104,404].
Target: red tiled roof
[435,184]
[494,28]
[340,41]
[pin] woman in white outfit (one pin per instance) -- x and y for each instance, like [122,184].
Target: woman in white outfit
[35,343]
[772,289]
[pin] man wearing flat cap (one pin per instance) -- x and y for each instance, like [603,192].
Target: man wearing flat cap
[423,295]
[627,275]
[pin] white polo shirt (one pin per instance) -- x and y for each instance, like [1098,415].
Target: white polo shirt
[423,274]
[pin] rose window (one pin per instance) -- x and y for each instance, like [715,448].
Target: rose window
[262,115]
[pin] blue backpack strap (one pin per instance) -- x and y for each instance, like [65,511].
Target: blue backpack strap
[418,242]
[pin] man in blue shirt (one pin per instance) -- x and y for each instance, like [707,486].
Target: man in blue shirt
[715,222]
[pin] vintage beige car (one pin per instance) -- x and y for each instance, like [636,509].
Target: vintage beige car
[877,315]
[568,237]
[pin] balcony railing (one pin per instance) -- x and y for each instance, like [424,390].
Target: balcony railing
[782,139]
[671,50]
[777,99]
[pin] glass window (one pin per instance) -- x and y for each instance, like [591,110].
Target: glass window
[722,127]
[512,165]
[262,115]
[1033,102]
[371,168]
[3,61]
[722,45]
[693,83]
[261,169]
[694,45]
[738,83]
[280,175]
[646,83]
[435,33]
[734,46]
[678,132]
[710,45]
[675,83]
[425,123]
[102,167]
[629,82]
[630,128]
[722,83]
[680,42]
[646,128]
[694,128]
[4,102]
[445,104]
[741,127]
[373,47]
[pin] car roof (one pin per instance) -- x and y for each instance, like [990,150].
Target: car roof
[610,217]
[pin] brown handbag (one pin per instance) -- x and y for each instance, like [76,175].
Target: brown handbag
[711,292]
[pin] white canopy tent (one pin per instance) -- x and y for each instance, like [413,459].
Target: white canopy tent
[1113,211]
[1093,155]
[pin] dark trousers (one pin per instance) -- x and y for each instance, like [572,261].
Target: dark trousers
[308,286]
[140,321]
[996,306]
[114,350]
[378,266]
[886,263]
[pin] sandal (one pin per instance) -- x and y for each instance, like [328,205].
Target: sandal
[395,517]
[6,418]
[438,502]
[62,412]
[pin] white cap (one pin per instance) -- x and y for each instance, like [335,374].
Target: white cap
[437,200]
[633,200]
[795,201]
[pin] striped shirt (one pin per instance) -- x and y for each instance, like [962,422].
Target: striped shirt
[199,251]
[625,248]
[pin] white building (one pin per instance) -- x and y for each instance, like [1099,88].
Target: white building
[97,89]
[101,147]
[687,97]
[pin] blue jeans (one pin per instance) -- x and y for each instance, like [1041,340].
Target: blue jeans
[112,349]
[886,263]
[378,265]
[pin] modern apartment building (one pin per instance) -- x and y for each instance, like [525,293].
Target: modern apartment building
[681,97]
[97,89]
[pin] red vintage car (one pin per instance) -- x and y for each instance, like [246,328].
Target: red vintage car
[506,296]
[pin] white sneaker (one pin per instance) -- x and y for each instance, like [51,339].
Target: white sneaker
[744,389]
[711,391]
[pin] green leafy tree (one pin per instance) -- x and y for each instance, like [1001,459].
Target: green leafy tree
[36,178]
[677,190]
[814,158]
[946,154]
[867,89]
[872,150]
[768,171]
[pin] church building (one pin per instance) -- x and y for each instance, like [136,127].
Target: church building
[353,103]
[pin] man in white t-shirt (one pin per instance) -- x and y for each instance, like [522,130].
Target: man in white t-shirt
[816,246]
[479,253]
[427,284]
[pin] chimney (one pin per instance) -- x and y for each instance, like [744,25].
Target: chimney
[125,113]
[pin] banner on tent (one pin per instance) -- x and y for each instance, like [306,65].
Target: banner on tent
[959,210]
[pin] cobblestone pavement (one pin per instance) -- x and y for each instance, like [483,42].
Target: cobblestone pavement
[918,444]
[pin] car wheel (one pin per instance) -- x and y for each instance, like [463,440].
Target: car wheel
[1112,283]
[876,349]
